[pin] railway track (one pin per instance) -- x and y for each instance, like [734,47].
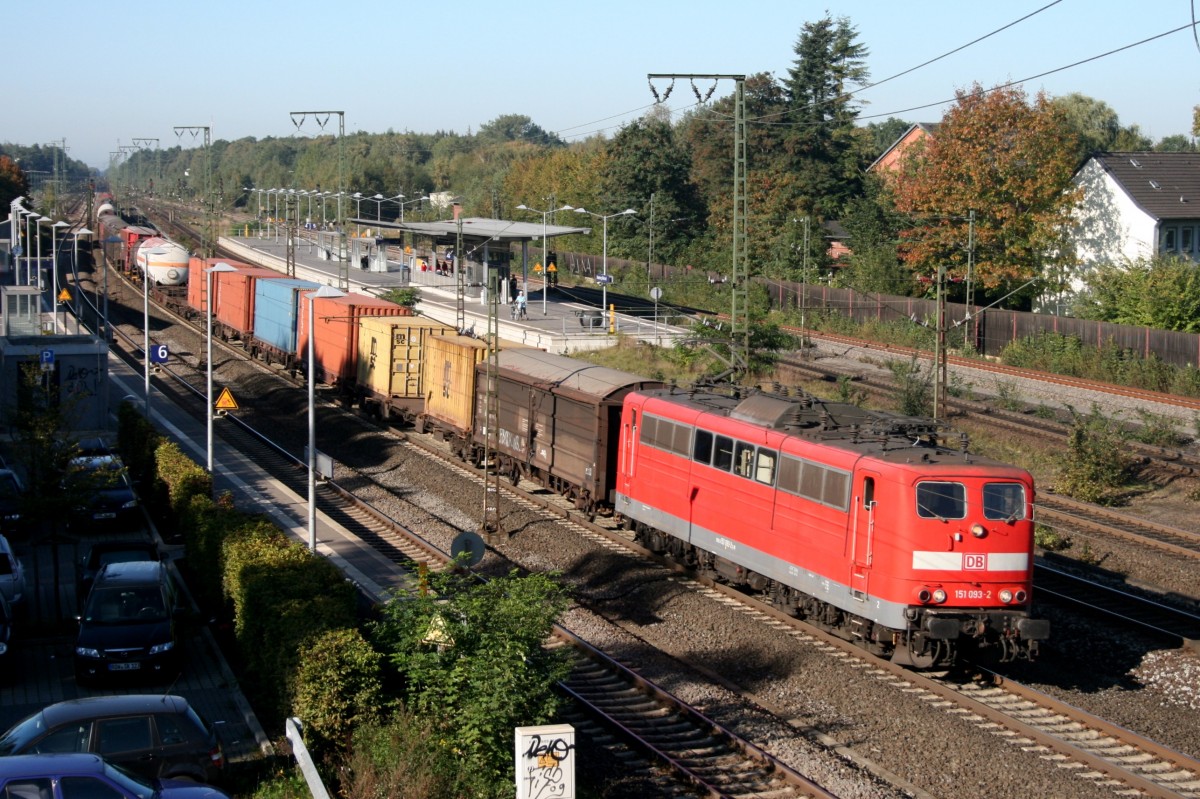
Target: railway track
[1179,625]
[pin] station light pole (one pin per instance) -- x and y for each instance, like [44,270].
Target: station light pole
[220,266]
[325,292]
[604,283]
[54,229]
[545,251]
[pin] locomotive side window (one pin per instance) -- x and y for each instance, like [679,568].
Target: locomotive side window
[764,467]
[837,487]
[649,426]
[665,434]
[1004,501]
[703,446]
[743,459]
[724,455]
[681,440]
[813,481]
[941,500]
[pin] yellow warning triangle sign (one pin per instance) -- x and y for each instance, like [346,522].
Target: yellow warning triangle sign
[64,296]
[226,402]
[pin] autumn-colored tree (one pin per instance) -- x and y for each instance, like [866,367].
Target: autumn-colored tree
[1011,163]
[13,182]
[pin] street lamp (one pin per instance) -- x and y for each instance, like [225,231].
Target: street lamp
[604,272]
[59,225]
[325,292]
[221,266]
[75,264]
[404,202]
[39,222]
[545,251]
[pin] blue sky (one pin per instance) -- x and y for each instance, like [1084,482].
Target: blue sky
[101,74]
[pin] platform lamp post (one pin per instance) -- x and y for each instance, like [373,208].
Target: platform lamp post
[220,266]
[75,263]
[39,222]
[325,292]
[55,228]
[545,252]
[604,218]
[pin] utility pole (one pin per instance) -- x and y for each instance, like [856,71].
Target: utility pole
[146,142]
[460,308]
[804,289]
[207,237]
[939,384]
[739,312]
[322,119]
[490,524]
[291,213]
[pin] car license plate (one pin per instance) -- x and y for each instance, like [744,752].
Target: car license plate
[105,516]
[124,666]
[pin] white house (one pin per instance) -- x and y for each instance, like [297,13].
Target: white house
[1136,205]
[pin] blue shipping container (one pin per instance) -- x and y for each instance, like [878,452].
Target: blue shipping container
[276,310]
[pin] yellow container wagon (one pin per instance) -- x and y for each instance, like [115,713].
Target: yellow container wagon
[391,353]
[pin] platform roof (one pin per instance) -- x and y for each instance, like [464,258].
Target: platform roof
[476,229]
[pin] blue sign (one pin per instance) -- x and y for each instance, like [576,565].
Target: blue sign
[603,279]
[159,353]
[47,357]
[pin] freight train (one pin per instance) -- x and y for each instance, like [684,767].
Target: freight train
[140,247]
[877,527]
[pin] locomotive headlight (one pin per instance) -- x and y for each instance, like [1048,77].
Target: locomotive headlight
[939,595]
[1006,595]
[978,530]
[924,595]
[1021,596]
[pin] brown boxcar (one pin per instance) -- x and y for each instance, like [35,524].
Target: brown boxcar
[558,422]
[336,324]
[392,353]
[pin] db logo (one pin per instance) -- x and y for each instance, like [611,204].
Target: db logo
[975,562]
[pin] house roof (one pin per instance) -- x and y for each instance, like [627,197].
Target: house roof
[1164,185]
[918,130]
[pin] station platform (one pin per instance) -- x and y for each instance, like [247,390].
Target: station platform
[552,324]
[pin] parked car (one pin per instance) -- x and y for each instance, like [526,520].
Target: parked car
[6,629]
[12,574]
[88,777]
[102,553]
[128,623]
[12,494]
[153,735]
[107,498]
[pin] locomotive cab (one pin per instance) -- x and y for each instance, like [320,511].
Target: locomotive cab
[970,578]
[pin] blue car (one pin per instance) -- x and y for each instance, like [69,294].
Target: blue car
[85,776]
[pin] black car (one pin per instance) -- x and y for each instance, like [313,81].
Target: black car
[88,777]
[99,485]
[6,629]
[128,623]
[12,494]
[102,553]
[154,735]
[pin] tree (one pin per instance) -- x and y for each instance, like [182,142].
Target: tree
[471,659]
[873,264]
[1094,121]
[516,127]
[1011,163]
[1175,144]
[1163,293]
[644,159]
[882,135]
[821,142]
[14,183]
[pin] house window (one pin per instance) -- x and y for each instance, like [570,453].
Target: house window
[1169,239]
[1185,239]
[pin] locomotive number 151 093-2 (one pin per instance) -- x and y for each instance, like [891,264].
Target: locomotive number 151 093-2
[972,593]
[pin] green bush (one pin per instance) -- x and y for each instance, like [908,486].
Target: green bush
[282,595]
[1096,465]
[338,687]
[403,758]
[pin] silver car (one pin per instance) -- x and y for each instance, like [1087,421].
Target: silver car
[12,574]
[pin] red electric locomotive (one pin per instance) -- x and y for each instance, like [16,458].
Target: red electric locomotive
[862,522]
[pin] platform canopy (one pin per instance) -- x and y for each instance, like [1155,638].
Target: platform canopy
[475,229]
